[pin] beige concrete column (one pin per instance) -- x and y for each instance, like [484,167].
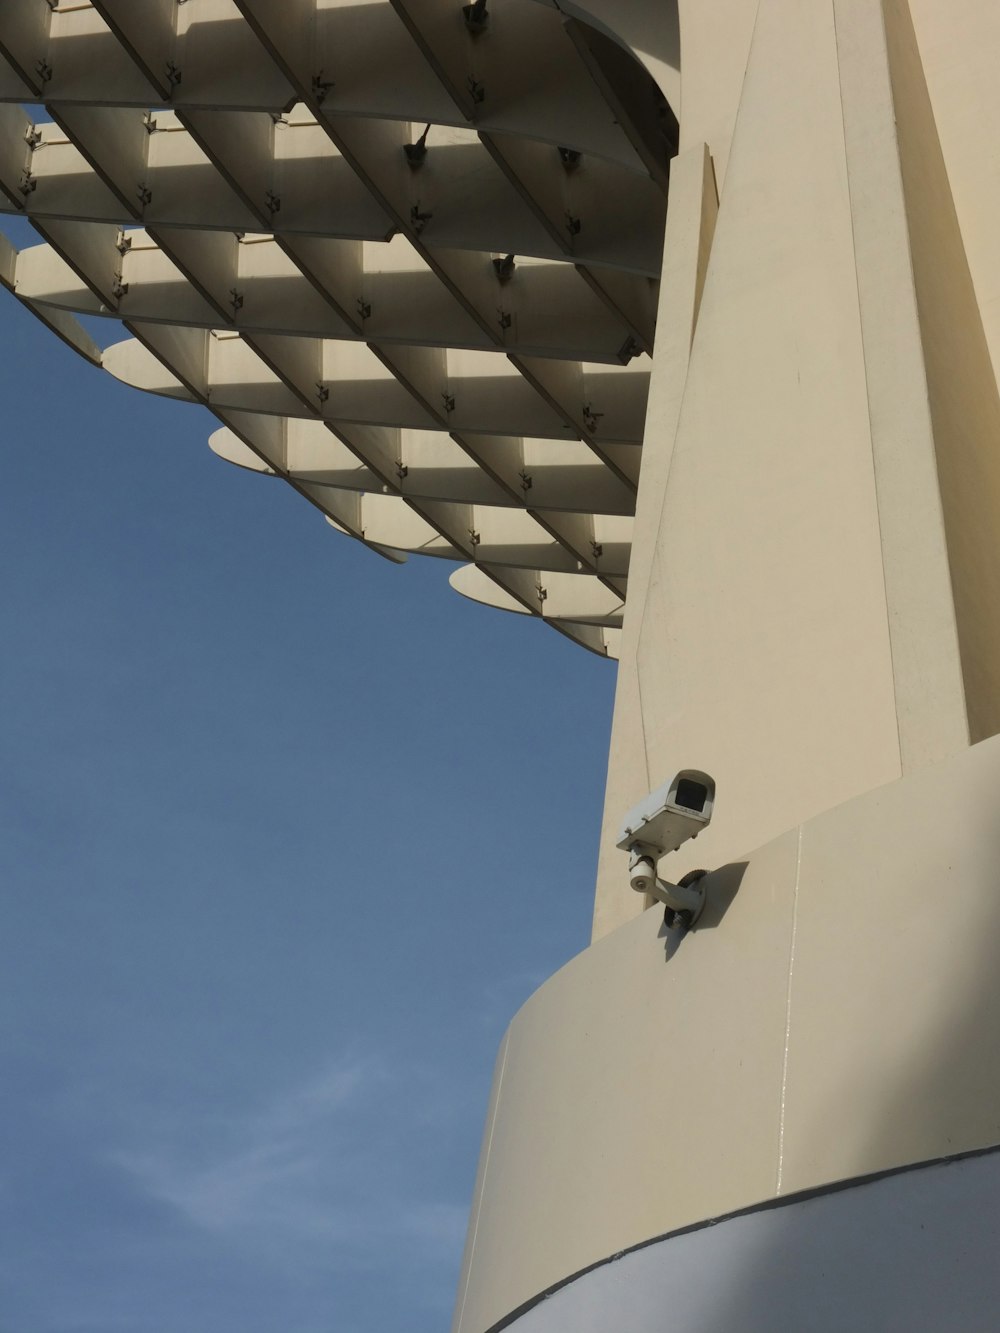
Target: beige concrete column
[820,613]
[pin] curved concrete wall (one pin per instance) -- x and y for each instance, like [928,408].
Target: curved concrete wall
[833,1016]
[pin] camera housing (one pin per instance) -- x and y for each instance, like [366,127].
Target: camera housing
[668,817]
[672,814]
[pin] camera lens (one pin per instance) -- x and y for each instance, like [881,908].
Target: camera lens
[691,795]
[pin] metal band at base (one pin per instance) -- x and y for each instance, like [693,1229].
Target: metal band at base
[912,1250]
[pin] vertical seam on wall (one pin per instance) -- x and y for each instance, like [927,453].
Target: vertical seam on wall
[788,1016]
[642,722]
[482,1184]
[868,400]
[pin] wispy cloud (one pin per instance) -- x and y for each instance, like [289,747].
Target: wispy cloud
[305,1173]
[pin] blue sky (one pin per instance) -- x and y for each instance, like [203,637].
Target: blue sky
[287,834]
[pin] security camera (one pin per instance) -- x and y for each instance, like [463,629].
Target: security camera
[669,816]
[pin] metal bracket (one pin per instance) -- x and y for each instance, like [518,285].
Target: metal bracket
[684,901]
